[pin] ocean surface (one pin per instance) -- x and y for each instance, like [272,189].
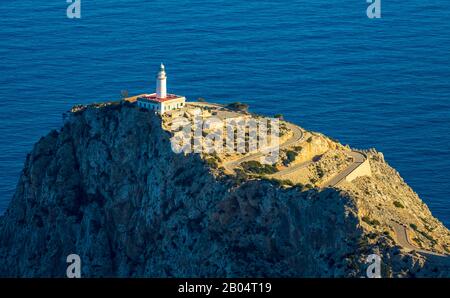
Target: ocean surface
[381,83]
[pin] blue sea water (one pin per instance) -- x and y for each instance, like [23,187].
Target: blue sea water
[323,64]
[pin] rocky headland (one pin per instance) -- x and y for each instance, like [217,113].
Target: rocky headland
[108,187]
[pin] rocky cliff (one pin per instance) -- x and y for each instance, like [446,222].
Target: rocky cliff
[108,187]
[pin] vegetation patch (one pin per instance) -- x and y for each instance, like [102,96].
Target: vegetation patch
[418,241]
[320,172]
[212,162]
[372,235]
[388,235]
[431,239]
[398,204]
[286,182]
[240,176]
[308,186]
[290,157]
[279,116]
[278,182]
[369,221]
[238,106]
[256,167]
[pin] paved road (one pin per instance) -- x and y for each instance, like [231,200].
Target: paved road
[297,136]
[291,169]
[358,159]
[400,230]
[401,234]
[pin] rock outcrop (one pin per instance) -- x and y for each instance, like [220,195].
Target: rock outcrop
[108,187]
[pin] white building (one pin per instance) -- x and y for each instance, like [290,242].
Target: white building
[160,101]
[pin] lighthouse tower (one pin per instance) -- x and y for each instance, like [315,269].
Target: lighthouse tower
[161,102]
[161,83]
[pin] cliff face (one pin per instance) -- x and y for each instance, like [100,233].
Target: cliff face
[108,187]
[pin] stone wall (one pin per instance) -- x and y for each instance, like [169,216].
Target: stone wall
[362,170]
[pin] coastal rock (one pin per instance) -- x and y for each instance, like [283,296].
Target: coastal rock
[108,187]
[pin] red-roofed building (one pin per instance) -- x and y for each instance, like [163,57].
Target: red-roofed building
[160,101]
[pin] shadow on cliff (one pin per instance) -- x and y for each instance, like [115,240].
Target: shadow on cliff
[108,187]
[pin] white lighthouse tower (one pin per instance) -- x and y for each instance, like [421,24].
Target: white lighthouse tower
[161,102]
[161,83]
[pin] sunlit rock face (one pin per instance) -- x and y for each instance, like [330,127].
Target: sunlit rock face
[108,187]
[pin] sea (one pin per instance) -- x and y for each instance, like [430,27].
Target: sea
[379,83]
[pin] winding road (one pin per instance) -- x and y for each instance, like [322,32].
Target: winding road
[401,234]
[292,169]
[297,136]
[400,230]
[358,159]
[229,166]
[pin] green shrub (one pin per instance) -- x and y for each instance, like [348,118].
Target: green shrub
[212,163]
[413,226]
[398,204]
[256,167]
[278,182]
[271,180]
[238,106]
[286,182]
[372,235]
[279,116]
[290,157]
[429,237]
[308,187]
[320,172]
[240,177]
[299,185]
[369,221]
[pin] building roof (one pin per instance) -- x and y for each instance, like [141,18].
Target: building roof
[154,98]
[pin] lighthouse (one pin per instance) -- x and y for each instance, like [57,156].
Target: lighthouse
[161,83]
[161,102]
